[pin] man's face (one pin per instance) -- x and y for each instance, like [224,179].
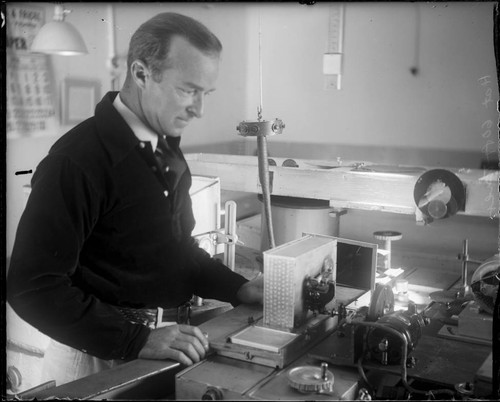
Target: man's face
[169,105]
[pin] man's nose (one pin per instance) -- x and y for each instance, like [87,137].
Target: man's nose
[198,105]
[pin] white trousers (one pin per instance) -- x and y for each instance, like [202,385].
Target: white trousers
[65,364]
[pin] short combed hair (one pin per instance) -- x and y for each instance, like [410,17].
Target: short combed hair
[151,42]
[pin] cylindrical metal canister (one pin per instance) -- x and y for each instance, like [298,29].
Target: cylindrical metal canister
[294,216]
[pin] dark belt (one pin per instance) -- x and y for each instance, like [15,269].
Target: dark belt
[153,318]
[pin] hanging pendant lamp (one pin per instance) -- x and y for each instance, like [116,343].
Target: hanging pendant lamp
[59,37]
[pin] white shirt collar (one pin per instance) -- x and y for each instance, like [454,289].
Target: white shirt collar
[141,131]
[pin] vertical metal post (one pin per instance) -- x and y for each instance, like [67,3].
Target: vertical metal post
[465,258]
[230,231]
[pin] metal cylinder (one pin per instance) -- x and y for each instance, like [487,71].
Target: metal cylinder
[387,236]
[294,216]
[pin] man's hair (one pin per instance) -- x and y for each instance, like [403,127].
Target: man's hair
[151,42]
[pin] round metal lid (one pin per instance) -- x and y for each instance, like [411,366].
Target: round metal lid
[311,379]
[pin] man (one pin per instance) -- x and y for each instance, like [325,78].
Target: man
[106,233]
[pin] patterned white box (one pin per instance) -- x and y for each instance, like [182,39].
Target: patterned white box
[285,271]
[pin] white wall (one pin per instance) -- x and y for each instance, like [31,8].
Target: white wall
[381,103]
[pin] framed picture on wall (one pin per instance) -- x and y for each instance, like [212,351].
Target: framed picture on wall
[78,99]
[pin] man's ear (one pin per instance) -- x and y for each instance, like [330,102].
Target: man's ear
[140,73]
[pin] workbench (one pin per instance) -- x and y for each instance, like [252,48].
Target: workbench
[440,362]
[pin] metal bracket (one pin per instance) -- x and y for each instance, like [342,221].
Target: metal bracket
[260,128]
[220,237]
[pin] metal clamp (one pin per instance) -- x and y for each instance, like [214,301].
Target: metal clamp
[220,237]
[260,128]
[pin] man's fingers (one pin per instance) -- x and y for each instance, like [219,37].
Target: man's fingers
[190,349]
[178,356]
[196,332]
[195,343]
[183,343]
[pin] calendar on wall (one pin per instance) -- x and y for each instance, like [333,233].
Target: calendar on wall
[30,91]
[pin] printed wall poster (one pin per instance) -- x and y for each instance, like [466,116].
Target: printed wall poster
[30,87]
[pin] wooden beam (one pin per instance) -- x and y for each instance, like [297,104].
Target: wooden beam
[346,184]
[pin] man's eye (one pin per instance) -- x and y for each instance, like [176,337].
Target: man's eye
[188,91]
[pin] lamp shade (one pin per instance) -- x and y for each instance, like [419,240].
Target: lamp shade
[59,37]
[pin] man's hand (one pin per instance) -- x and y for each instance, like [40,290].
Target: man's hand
[182,343]
[252,291]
